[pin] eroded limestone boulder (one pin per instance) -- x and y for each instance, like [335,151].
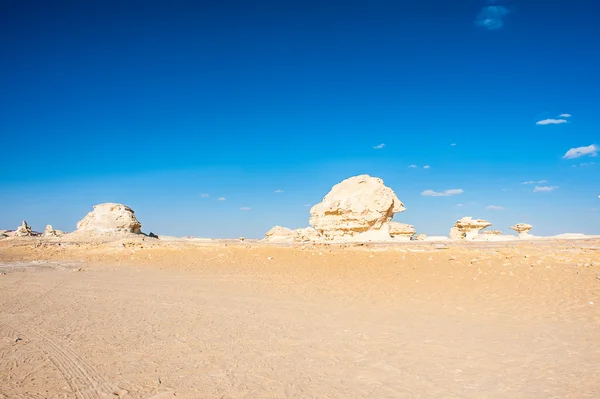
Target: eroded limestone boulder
[402,231]
[522,229]
[420,237]
[359,208]
[279,234]
[306,234]
[51,232]
[468,228]
[23,230]
[110,218]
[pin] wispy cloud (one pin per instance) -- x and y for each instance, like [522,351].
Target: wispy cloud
[245,208]
[506,189]
[459,205]
[551,122]
[535,182]
[564,115]
[453,145]
[587,163]
[543,189]
[491,17]
[577,152]
[380,146]
[204,195]
[278,191]
[412,166]
[307,204]
[445,193]
[222,199]
[426,167]
[494,207]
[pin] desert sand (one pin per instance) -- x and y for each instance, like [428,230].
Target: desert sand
[145,318]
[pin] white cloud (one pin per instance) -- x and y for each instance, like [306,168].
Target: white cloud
[204,195]
[445,193]
[453,145]
[542,189]
[494,207]
[222,199]
[412,166]
[491,17]
[459,204]
[551,122]
[506,189]
[535,182]
[577,152]
[245,208]
[278,191]
[307,205]
[587,163]
[564,115]
[380,146]
[426,167]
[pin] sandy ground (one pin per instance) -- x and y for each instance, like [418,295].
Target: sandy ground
[242,320]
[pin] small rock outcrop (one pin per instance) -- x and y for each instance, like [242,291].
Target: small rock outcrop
[110,218]
[359,208]
[51,232]
[23,230]
[402,231]
[522,229]
[306,234]
[420,237]
[468,228]
[279,234]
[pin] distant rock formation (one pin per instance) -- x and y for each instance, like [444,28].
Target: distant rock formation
[467,228]
[420,237]
[23,230]
[50,232]
[492,232]
[279,234]
[522,229]
[110,218]
[359,208]
[306,234]
[402,231]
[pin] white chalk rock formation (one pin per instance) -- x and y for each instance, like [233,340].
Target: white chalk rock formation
[50,232]
[306,234]
[357,209]
[420,237]
[279,234]
[23,230]
[110,218]
[402,231]
[522,229]
[468,228]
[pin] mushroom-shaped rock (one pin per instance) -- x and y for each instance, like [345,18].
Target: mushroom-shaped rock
[492,232]
[23,230]
[306,234]
[110,218]
[279,234]
[359,208]
[522,228]
[402,231]
[467,228]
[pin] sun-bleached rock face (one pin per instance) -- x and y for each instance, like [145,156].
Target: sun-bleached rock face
[492,232]
[23,230]
[402,231]
[468,228]
[51,232]
[522,228]
[306,234]
[279,234]
[420,237]
[110,218]
[359,208]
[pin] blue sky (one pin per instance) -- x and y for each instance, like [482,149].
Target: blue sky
[155,104]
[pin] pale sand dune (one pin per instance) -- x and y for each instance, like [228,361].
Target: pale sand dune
[205,320]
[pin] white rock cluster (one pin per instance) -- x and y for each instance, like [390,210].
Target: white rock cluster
[468,228]
[23,230]
[110,218]
[402,231]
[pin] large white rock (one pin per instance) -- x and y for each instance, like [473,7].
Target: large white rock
[468,228]
[110,218]
[402,231]
[23,230]
[51,232]
[279,234]
[522,228]
[357,209]
[306,234]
